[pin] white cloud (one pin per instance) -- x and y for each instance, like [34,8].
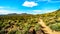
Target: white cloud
[37,11]
[48,11]
[42,11]
[49,1]
[43,0]
[29,4]
[1,7]
[19,12]
[9,11]
[4,11]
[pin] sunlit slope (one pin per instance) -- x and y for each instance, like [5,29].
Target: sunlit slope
[52,19]
[21,23]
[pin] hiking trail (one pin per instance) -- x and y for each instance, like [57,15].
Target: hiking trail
[46,29]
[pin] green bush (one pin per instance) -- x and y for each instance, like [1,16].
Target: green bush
[55,26]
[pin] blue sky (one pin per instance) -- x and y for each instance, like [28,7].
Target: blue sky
[28,6]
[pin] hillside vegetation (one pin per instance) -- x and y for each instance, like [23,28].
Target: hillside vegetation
[22,23]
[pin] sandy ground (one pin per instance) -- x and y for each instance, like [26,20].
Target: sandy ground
[46,28]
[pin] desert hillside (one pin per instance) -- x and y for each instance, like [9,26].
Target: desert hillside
[29,23]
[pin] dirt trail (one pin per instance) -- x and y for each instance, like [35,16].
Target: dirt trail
[46,29]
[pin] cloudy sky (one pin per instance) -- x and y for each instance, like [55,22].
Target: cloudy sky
[28,6]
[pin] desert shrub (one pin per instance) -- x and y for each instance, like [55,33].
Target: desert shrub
[55,26]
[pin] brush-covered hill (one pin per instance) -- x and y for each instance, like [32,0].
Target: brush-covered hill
[52,19]
[18,23]
[21,23]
